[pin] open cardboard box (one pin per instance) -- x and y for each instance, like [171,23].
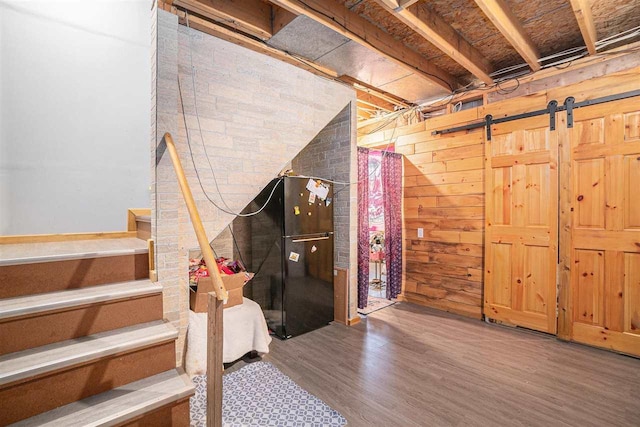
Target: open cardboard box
[233,282]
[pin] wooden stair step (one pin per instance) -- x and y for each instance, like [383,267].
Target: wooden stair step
[34,268]
[143,227]
[31,305]
[30,253]
[39,361]
[64,315]
[44,378]
[119,405]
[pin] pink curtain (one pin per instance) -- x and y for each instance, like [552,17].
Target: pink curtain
[363,227]
[392,199]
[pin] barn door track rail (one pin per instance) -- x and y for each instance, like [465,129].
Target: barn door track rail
[552,108]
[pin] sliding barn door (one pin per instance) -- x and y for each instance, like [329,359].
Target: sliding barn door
[521,224]
[604,202]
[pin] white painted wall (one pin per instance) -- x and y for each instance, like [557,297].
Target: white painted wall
[74,114]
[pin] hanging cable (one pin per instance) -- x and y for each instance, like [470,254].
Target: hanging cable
[498,85]
[227,210]
[198,173]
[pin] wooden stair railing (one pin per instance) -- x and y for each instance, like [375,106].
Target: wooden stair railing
[215,299]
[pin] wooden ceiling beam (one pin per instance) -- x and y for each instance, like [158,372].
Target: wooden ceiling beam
[406,3]
[371,109]
[379,103]
[351,25]
[252,16]
[219,31]
[582,11]
[374,91]
[435,30]
[503,18]
[280,18]
[363,115]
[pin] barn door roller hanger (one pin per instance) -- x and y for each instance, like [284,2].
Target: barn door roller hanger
[552,108]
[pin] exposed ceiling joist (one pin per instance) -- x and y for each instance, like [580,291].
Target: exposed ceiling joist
[373,91]
[503,18]
[368,99]
[375,106]
[367,108]
[252,17]
[280,18]
[407,3]
[351,25]
[231,36]
[434,29]
[364,114]
[582,10]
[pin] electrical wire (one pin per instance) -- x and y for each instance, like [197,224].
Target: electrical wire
[473,86]
[390,118]
[193,72]
[195,105]
[632,32]
[347,184]
[503,91]
[576,52]
[498,85]
[198,173]
[393,116]
[371,173]
[228,210]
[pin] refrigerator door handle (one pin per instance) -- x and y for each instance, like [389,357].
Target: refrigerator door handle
[310,239]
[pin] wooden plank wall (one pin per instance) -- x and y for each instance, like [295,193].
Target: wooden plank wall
[444,194]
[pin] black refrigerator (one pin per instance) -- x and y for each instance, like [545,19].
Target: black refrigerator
[291,246]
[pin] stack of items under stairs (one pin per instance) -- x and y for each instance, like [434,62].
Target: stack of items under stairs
[245,332]
[83,341]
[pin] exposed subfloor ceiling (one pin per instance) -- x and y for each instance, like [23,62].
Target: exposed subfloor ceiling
[311,40]
[403,53]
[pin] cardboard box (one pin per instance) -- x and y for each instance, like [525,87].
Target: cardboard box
[233,282]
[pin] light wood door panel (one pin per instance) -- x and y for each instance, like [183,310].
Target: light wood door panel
[604,223]
[521,224]
[588,277]
[631,316]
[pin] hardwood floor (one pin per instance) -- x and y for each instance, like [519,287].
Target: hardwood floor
[410,366]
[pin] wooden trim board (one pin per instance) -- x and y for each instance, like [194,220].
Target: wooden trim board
[341,295]
[68,237]
[64,237]
[132,214]
[354,321]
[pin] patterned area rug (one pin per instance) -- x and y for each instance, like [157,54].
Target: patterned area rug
[260,395]
[375,304]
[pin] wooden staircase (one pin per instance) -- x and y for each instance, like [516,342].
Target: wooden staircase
[82,340]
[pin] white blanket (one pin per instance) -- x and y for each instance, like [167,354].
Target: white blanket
[244,330]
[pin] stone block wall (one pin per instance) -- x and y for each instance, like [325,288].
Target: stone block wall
[255,114]
[328,156]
